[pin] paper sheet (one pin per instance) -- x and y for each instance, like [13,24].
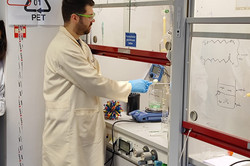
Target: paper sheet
[224,161]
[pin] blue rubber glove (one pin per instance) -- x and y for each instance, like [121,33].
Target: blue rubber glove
[140,86]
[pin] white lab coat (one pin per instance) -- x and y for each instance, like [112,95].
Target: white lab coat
[2,90]
[74,121]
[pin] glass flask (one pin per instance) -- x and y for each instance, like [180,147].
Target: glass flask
[155,99]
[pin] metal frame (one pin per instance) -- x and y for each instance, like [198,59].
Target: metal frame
[199,132]
[218,20]
[187,67]
[135,4]
[221,35]
[177,83]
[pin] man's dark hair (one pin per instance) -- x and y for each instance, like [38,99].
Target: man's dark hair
[74,6]
[3,41]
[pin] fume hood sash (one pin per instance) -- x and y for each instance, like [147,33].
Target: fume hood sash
[131,54]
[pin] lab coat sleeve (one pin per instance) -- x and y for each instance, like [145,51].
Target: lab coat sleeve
[2,90]
[85,75]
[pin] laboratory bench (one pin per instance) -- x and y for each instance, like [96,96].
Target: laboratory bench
[136,143]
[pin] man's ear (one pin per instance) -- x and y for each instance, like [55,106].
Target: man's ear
[74,18]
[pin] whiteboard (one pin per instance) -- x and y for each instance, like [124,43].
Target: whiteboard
[219,82]
[220,70]
[222,8]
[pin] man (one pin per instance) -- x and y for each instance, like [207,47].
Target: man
[74,121]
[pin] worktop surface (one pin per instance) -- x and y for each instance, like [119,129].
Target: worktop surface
[148,132]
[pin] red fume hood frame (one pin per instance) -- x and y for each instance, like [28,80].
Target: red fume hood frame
[217,138]
[131,54]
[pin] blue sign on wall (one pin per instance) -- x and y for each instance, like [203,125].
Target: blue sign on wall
[130,40]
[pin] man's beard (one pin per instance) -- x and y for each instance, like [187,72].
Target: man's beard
[82,29]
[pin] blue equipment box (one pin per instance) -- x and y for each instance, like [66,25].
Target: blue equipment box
[142,116]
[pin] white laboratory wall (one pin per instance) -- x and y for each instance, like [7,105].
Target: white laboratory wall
[34,47]
[102,30]
[150,30]
[2,10]
[146,22]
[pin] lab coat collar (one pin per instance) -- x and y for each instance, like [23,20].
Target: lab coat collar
[66,32]
[83,45]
